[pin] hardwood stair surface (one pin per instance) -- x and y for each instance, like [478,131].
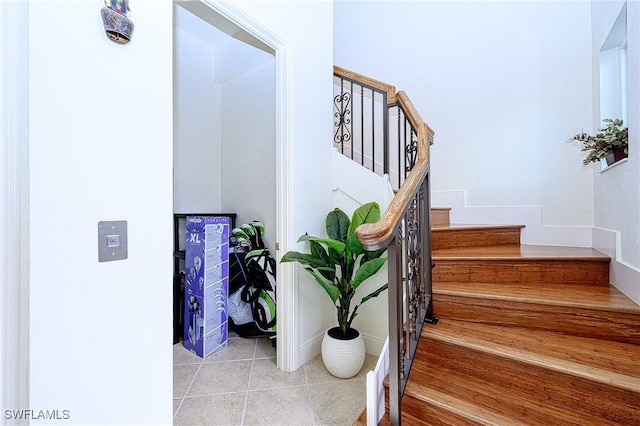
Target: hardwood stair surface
[440,216]
[587,310]
[521,263]
[528,335]
[450,236]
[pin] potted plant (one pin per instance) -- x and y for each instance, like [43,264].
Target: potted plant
[610,143]
[339,264]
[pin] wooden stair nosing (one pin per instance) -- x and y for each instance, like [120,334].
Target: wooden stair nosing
[520,251]
[600,295]
[595,374]
[455,227]
[540,301]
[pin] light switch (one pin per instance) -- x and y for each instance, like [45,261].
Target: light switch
[112,240]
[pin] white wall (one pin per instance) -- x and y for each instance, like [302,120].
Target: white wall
[503,84]
[617,189]
[355,186]
[197,140]
[248,178]
[307,30]
[100,149]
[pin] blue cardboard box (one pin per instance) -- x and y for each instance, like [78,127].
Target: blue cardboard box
[206,283]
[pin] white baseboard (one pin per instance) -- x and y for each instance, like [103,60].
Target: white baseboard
[623,276]
[373,344]
[310,349]
[530,216]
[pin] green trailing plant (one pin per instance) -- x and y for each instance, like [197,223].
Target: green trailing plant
[339,263]
[613,135]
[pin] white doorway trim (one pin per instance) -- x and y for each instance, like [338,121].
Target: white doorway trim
[14,215]
[286,292]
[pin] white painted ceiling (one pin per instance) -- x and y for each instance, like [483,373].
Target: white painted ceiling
[233,57]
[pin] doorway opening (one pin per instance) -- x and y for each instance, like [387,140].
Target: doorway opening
[230,133]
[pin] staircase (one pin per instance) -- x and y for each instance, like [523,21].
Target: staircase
[527,335]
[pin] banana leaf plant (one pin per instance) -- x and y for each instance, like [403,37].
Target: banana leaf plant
[339,263]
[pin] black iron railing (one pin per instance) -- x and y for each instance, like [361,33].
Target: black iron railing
[361,129]
[405,227]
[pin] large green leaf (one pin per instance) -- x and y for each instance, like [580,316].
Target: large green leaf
[334,244]
[332,290]
[319,251]
[366,213]
[374,294]
[303,258]
[368,255]
[366,270]
[337,225]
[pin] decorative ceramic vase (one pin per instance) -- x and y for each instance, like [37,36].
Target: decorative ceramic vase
[343,357]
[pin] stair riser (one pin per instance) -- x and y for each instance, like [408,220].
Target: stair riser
[439,217]
[554,390]
[514,271]
[576,321]
[444,239]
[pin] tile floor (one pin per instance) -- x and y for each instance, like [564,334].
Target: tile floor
[241,385]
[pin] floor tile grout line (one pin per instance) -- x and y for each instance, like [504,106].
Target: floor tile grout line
[193,380]
[309,406]
[246,393]
[188,389]
[178,409]
[203,395]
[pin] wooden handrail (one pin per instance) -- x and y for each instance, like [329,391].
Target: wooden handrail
[374,236]
[380,85]
[377,235]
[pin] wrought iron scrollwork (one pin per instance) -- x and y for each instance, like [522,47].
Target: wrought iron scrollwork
[342,114]
[411,152]
[414,292]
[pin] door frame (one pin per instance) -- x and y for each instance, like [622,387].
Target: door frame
[286,291]
[14,190]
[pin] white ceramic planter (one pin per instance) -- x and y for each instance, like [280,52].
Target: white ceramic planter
[343,358]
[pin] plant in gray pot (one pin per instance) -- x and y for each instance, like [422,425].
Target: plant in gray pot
[339,264]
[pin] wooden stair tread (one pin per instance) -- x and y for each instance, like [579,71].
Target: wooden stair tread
[457,406]
[519,252]
[607,362]
[605,297]
[487,403]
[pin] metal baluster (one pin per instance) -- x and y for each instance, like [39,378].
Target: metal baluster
[373,131]
[385,135]
[399,145]
[362,125]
